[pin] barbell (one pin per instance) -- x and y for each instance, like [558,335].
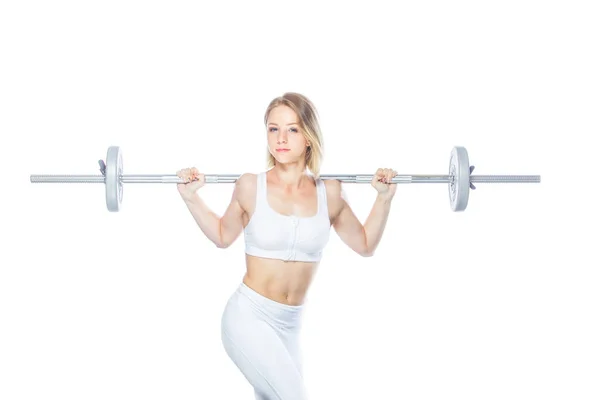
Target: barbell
[459,178]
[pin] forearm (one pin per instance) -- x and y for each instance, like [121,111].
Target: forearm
[208,221]
[376,221]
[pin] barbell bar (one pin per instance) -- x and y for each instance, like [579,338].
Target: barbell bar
[459,179]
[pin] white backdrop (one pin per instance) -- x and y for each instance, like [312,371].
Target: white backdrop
[497,302]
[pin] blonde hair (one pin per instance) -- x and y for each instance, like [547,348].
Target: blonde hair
[309,125]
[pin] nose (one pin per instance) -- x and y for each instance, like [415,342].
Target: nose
[282,137]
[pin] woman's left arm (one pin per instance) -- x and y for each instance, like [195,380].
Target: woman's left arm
[364,239]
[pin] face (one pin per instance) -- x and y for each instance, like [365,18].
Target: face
[283,132]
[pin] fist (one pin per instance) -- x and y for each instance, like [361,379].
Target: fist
[192,181]
[382,181]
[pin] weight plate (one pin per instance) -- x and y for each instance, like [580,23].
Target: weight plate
[459,172]
[112,181]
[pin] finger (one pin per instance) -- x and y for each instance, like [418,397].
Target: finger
[376,176]
[385,175]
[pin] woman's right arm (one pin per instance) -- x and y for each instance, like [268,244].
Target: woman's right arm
[222,231]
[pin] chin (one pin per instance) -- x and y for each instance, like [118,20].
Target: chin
[287,160]
[284,156]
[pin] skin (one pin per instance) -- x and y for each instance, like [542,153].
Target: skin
[291,191]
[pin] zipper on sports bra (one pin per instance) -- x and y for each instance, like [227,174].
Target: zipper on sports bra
[292,248]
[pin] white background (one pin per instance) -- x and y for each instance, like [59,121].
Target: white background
[498,302]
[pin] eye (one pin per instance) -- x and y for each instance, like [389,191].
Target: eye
[272,129]
[294,129]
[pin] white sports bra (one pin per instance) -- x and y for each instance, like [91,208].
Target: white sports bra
[270,234]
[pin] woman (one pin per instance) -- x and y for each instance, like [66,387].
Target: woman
[286,215]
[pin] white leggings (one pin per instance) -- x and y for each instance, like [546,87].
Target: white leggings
[261,336]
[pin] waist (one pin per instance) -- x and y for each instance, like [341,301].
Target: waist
[267,304]
[283,281]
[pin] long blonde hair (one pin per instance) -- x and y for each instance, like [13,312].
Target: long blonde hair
[309,124]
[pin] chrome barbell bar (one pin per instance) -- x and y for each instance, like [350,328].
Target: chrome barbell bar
[459,179]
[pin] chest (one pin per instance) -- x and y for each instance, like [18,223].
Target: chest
[302,204]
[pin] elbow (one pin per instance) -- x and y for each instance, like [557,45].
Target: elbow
[220,242]
[221,245]
[367,252]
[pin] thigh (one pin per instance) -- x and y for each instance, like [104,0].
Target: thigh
[291,341]
[262,357]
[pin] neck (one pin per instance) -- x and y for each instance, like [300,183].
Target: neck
[290,176]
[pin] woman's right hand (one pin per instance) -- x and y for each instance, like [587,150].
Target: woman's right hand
[193,179]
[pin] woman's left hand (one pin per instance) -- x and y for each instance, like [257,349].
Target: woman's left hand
[381,181]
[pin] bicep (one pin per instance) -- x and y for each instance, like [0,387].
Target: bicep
[350,230]
[232,220]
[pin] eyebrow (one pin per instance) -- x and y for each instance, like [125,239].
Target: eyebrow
[293,123]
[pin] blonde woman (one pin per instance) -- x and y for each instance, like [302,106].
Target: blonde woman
[286,214]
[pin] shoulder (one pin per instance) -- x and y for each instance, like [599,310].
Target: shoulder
[246,183]
[246,179]
[333,187]
[335,195]
[245,189]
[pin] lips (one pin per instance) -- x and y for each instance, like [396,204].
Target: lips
[280,150]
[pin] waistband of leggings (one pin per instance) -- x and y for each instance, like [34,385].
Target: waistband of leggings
[269,303]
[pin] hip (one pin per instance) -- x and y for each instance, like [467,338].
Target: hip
[247,306]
